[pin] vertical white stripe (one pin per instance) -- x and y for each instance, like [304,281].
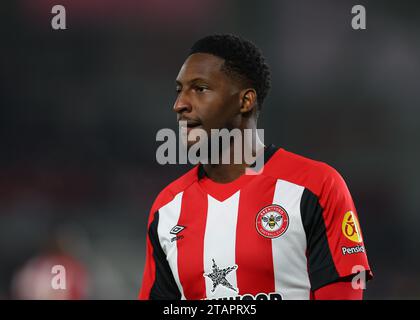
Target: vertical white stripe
[220,242]
[289,250]
[168,218]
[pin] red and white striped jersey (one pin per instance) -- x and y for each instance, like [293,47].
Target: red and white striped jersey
[280,234]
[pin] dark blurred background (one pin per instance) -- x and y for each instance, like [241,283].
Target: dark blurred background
[80,109]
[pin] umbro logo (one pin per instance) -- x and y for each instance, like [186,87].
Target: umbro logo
[175,231]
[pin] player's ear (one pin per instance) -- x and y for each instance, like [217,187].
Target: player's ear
[248,99]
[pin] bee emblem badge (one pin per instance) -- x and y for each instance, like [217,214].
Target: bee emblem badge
[272,221]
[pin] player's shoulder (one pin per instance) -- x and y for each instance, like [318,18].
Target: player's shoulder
[312,174]
[168,193]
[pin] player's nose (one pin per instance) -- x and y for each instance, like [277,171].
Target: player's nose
[182,104]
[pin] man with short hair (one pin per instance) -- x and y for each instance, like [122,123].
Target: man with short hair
[289,231]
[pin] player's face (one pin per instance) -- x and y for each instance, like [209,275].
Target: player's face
[207,98]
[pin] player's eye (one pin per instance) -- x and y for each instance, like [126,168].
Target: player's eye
[178,90]
[200,88]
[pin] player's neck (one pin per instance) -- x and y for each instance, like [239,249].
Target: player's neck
[225,173]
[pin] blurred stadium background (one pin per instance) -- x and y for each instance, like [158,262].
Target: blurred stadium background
[79,110]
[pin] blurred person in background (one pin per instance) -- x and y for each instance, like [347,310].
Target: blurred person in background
[53,274]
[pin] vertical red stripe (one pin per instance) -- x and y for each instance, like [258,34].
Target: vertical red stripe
[190,249]
[254,255]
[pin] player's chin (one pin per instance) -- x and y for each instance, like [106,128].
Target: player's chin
[187,143]
[198,151]
[196,137]
[195,143]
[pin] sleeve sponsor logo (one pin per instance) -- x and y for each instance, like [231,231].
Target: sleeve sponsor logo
[352,250]
[351,227]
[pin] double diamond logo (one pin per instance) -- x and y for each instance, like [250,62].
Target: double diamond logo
[175,231]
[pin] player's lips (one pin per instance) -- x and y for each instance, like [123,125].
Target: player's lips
[190,123]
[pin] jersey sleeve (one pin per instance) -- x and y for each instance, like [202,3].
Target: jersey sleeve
[335,245]
[158,281]
[337,291]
